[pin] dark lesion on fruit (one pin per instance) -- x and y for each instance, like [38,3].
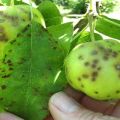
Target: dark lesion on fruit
[95,61]
[93,79]
[13,19]
[96,92]
[94,52]
[105,57]
[93,65]
[85,76]
[118,91]
[108,96]
[80,57]
[99,68]
[114,54]
[94,75]
[86,63]
[82,86]
[79,79]
[117,66]
[101,47]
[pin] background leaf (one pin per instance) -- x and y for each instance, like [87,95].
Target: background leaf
[63,34]
[108,27]
[50,13]
[8,2]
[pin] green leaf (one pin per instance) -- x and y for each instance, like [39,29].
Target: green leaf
[63,34]
[8,2]
[108,27]
[50,13]
[82,24]
[112,19]
[85,37]
[30,73]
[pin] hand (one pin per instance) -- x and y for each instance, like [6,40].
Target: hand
[63,107]
[8,116]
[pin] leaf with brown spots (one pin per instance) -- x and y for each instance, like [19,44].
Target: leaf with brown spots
[26,87]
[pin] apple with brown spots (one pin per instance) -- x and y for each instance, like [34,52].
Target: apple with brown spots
[94,68]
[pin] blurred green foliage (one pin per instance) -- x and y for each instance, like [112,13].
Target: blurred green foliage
[80,6]
[108,5]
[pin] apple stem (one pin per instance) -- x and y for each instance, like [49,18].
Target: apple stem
[91,5]
[91,20]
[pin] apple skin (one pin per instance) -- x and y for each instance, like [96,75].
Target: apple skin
[94,68]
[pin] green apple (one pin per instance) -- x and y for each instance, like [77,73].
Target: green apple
[94,68]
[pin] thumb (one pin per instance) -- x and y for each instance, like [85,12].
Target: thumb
[8,116]
[62,107]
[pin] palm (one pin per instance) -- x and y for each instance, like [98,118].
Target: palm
[106,107]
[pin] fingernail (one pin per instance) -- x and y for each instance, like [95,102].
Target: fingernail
[64,103]
[8,116]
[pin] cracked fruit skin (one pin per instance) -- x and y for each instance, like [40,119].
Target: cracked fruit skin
[94,68]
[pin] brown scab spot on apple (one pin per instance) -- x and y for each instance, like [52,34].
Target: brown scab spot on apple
[86,63]
[79,79]
[109,50]
[117,67]
[118,91]
[105,58]
[95,61]
[96,92]
[93,65]
[82,86]
[85,76]
[99,68]
[80,57]
[108,96]
[101,47]
[93,79]
[13,19]
[114,54]
[94,75]
[94,52]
